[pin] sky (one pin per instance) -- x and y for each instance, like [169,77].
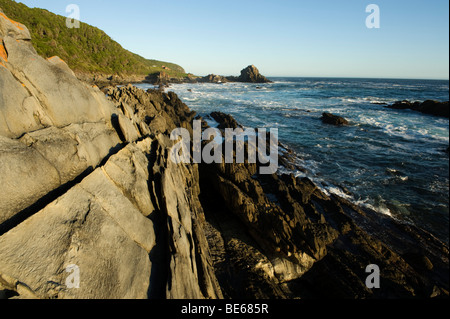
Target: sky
[321,38]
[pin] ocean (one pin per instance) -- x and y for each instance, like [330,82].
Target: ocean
[392,161]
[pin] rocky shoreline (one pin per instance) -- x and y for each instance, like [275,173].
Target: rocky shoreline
[87,183]
[277,236]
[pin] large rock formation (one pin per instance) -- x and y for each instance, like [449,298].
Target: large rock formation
[251,74]
[248,75]
[87,184]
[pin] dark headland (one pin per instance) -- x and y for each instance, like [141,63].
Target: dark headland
[87,183]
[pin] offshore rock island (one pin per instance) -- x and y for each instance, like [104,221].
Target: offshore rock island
[248,75]
[86,180]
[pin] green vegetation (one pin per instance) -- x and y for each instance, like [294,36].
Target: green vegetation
[87,49]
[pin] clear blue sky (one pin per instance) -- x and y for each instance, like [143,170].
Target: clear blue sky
[282,38]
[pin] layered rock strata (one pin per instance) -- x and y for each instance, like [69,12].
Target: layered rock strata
[86,183]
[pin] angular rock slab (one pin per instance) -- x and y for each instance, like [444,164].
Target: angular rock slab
[43,160]
[93,226]
[190,266]
[40,93]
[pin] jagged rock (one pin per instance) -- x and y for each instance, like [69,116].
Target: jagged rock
[328,118]
[248,75]
[212,78]
[251,74]
[186,240]
[318,245]
[401,105]
[225,120]
[86,181]
[161,78]
[129,171]
[161,112]
[100,225]
[130,132]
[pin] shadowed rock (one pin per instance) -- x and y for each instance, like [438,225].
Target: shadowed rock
[428,107]
[225,120]
[329,118]
[315,245]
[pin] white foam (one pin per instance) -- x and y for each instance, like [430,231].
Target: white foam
[339,192]
[380,209]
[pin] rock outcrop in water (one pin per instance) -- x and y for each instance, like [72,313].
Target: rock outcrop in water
[248,75]
[332,119]
[213,78]
[428,107]
[251,75]
[87,184]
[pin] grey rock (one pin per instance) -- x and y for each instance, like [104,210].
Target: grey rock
[77,230]
[25,176]
[42,93]
[57,61]
[46,159]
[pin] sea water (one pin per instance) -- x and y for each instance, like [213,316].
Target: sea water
[393,161]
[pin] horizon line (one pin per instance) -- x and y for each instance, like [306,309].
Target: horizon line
[336,77]
[36,6]
[357,77]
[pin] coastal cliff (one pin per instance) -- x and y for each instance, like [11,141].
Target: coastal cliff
[87,182]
